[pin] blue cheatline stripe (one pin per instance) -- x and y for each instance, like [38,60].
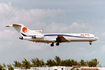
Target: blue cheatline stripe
[23,34]
[66,35]
[26,35]
[58,35]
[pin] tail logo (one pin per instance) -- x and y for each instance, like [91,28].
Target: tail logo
[24,29]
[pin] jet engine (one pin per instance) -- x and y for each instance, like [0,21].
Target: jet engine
[21,38]
[38,37]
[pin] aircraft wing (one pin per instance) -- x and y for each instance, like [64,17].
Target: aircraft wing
[60,38]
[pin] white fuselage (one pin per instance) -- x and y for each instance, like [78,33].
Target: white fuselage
[37,36]
[70,37]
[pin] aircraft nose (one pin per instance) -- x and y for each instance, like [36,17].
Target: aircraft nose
[96,38]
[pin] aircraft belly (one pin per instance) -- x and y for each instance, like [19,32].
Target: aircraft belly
[81,39]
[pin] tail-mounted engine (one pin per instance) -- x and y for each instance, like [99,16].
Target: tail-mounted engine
[21,38]
[38,36]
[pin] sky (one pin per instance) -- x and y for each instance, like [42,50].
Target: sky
[54,16]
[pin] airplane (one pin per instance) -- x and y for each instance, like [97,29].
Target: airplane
[38,36]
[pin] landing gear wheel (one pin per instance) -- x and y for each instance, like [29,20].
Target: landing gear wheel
[57,44]
[52,44]
[90,43]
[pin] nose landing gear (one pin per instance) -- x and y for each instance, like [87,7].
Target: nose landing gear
[90,43]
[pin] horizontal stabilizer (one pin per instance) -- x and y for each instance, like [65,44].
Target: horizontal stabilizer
[14,25]
[9,26]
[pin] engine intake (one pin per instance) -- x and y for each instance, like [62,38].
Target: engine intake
[38,37]
[21,38]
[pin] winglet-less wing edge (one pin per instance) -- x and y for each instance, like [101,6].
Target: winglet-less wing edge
[8,26]
[13,25]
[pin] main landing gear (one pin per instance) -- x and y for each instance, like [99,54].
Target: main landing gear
[57,44]
[52,44]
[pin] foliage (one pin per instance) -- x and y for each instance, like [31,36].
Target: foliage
[1,67]
[82,63]
[57,61]
[10,67]
[92,63]
[26,64]
[4,65]
[51,62]
[17,64]
[69,62]
[37,63]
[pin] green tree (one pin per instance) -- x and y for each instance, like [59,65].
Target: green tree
[73,62]
[4,65]
[63,63]
[36,62]
[82,63]
[10,67]
[66,62]
[42,62]
[57,60]
[1,67]
[50,62]
[33,62]
[93,63]
[26,64]
[17,64]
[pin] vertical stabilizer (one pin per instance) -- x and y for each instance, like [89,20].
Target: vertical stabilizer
[24,31]
[20,28]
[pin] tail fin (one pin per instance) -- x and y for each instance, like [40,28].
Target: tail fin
[24,30]
[19,27]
